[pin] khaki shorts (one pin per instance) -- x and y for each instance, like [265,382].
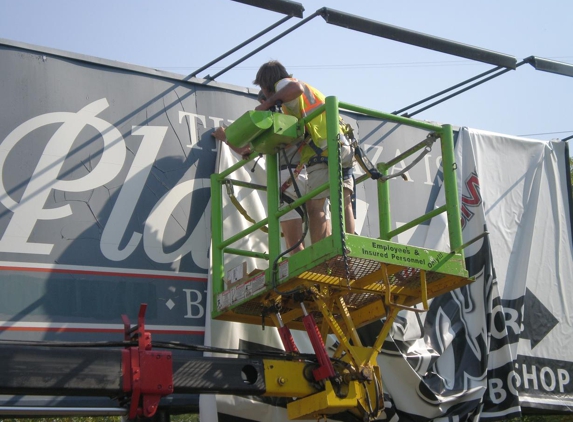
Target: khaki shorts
[318,176]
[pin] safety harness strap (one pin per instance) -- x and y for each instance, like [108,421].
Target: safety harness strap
[370,169]
[240,208]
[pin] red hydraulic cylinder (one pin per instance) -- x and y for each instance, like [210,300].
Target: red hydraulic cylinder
[286,336]
[325,370]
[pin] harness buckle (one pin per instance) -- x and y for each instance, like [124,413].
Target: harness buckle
[229,186]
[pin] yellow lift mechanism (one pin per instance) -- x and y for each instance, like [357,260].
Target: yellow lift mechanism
[340,283]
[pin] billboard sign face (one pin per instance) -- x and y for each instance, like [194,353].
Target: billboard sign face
[104,196]
[105,204]
[104,193]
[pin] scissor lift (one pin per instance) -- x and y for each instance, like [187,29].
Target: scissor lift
[340,283]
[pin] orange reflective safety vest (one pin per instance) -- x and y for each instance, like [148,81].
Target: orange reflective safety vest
[310,99]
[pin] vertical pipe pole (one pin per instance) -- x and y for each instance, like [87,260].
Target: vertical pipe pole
[216,236]
[451,188]
[385,220]
[334,170]
[273,197]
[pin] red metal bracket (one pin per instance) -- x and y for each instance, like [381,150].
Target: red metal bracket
[147,374]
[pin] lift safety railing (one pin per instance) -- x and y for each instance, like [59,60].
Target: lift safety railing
[222,246]
[314,293]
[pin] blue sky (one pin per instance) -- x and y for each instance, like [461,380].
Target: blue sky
[181,36]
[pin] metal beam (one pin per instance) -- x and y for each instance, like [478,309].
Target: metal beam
[546,65]
[552,66]
[419,39]
[39,411]
[238,47]
[58,371]
[265,45]
[286,7]
[467,88]
[97,372]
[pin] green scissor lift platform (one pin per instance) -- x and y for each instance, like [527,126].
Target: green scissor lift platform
[344,281]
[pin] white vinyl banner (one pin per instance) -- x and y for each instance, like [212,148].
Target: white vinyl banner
[233,335]
[523,186]
[486,350]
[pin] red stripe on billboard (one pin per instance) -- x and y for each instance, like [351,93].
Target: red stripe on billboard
[95,330]
[104,273]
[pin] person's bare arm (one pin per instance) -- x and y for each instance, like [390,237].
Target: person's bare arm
[289,92]
[220,135]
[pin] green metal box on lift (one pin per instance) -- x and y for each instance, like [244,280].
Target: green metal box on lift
[267,131]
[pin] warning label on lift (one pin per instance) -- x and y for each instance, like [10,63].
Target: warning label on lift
[241,291]
[400,254]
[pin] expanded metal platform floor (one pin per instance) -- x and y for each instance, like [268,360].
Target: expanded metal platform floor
[362,288]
